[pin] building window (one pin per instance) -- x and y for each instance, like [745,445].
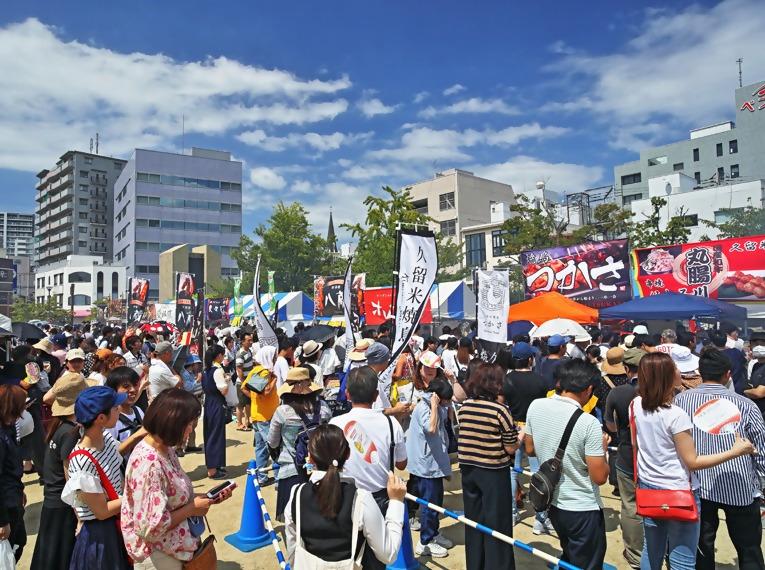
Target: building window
[722,216]
[84,173]
[689,220]
[83,187]
[99,285]
[719,149]
[629,198]
[631,178]
[83,230]
[733,147]
[657,160]
[720,174]
[446,201]
[498,243]
[734,170]
[695,155]
[79,300]
[697,176]
[79,277]
[475,250]
[82,244]
[115,284]
[449,227]
[421,206]
[678,166]
[83,201]
[83,215]
[118,165]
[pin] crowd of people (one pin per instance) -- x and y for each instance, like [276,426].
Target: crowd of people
[111,411]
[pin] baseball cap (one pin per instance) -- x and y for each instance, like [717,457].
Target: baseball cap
[378,353]
[192,359]
[758,351]
[96,400]
[75,354]
[556,340]
[640,329]
[430,359]
[522,351]
[163,347]
[59,340]
[629,340]
[632,357]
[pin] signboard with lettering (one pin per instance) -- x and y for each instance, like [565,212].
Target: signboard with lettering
[756,102]
[595,274]
[730,269]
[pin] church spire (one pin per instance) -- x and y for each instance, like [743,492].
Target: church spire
[331,237]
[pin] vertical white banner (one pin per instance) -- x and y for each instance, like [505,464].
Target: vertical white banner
[493,298]
[350,339]
[266,334]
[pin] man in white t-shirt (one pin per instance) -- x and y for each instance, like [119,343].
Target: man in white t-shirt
[287,348]
[161,377]
[668,341]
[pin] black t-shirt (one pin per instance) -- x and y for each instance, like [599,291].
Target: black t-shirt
[603,388]
[546,370]
[520,389]
[618,411]
[60,446]
[758,379]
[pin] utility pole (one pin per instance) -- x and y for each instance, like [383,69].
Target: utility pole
[740,61]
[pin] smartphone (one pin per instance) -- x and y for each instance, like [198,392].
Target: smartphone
[215,491]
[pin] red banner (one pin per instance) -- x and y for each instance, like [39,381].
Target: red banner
[730,269]
[378,305]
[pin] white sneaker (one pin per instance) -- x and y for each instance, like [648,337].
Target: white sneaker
[414,524]
[433,549]
[441,540]
[545,527]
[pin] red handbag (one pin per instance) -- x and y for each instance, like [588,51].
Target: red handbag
[663,504]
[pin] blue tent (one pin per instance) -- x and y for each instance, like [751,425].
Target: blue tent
[669,306]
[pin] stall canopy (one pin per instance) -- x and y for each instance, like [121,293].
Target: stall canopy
[674,306]
[293,306]
[452,300]
[552,305]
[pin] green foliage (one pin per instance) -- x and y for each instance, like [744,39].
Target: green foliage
[23,310]
[375,252]
[289,248]
[647,232]
[532,227]
[742,222]
[610,221]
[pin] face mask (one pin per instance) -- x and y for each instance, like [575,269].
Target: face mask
[739,344]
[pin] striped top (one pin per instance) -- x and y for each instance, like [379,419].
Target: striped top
[83,475]
[485,428]
[734,482]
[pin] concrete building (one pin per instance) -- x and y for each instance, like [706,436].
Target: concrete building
[91,278]
[164,199]
[484,243]
[202,261]
[712,203]
[73,215]
[715,154]
[17,233]
[458,198]
[23,276]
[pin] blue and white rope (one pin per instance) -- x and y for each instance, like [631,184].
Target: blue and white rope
[495,534]
[283,564]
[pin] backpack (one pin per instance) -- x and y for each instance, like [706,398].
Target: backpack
[131,426]
[546,479]
[257,379]
[301,442]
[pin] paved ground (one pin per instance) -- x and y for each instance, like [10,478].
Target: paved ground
[225,519]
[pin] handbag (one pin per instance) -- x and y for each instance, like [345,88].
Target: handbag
[662,504]
[205,556]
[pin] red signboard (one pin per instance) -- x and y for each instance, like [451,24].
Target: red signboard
[729,269]
[378,306]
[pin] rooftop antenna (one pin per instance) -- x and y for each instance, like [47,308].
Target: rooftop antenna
[739,61]
[96,143]
[183,133]
[91,145]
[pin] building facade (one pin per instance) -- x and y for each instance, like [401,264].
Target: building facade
[17,233]
[485,243]
[202,261]
[88,276]
[73,214]
[713,155]
[164,199]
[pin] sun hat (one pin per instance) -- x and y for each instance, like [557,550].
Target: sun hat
[298,381]
[684,359]
[378,353]
[522,351]
[614,362]
[45,345]
[75,354]
[311,347]
[359,352]
[430,359]
[96,400]
[632,356]
[67,388]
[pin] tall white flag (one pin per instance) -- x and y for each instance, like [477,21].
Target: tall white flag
[493,297]
[350,338]
[266,334]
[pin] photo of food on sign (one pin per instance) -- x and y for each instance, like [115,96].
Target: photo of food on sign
[729,269]
[595,274]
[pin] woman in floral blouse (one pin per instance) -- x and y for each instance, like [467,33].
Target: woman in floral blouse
[159,498]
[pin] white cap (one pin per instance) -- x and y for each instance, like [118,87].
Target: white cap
[640,329]
[684,359]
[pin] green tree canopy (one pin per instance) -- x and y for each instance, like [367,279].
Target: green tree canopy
[742,222]
[648,232]
[609,221]
[24,310]
[532,227]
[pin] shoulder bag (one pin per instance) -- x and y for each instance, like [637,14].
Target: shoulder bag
[205,556]
[663,504]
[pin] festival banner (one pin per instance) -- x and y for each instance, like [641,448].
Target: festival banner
[266,334]
[164,312]
[184,301]
[493,299]
[272,304]
[596,274]
[729,269]
[217,309]
[350,325]
[328,295]
[138,291]
[378,307]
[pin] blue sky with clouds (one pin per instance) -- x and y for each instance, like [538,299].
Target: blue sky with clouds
[325,102]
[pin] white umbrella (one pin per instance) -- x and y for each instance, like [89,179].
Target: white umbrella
[563,327]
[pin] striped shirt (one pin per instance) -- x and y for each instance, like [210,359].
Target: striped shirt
[734,482]
[111,462]
[485,428]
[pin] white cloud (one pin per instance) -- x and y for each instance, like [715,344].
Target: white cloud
[522,172]
[302,187]
[474,105]
[267,178]
[421,96]
[561,47]
[61,92]
[345,201]
[454,89]
[373,107]
[316,141]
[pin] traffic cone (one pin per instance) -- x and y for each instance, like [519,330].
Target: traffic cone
[405,559]
[252,532]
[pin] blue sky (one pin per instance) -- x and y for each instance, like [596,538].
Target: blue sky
[325,102]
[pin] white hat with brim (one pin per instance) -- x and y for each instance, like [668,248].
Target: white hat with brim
[684,359]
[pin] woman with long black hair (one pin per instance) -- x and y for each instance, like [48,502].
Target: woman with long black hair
[215,385]
[12,529]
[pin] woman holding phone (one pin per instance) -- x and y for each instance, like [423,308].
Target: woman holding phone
[159,500]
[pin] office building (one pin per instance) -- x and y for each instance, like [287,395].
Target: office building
[73,214]
[164,199]
[202,261]
[711,203]
[485,243]
[17,233]
[91,278]
[713,155]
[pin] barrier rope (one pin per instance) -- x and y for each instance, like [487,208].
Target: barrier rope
[495,534]
[283,564]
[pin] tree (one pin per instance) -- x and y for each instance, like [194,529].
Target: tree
[610,221]
[742,222]
[647,233]
[534,227]
[376,249]
[23,310]
[289,248]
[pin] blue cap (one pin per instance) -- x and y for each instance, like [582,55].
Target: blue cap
[522,351]
[556,340]
[59,339]
[192,359]
[96,400]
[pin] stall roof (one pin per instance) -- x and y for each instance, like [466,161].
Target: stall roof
[551,305]
[674,306]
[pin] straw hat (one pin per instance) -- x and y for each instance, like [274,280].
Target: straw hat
[311,347]
[359,352]
[614,362]
[45,345]
[67,388]
[298,381]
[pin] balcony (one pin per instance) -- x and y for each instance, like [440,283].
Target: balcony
[97,220]
[95,193]
[98,207]
[98,234]
[99,179]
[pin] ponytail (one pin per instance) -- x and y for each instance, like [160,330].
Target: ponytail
[329,450]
